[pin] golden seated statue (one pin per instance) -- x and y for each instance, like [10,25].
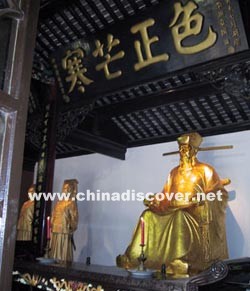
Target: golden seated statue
[187,235]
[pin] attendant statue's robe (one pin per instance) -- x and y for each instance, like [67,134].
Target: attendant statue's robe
[63,224]
[24,225]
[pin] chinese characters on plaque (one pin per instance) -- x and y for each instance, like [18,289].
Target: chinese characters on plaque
[171,36]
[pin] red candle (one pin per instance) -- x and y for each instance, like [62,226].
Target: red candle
[142,231]
[48,227]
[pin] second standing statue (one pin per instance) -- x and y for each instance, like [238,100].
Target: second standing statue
[63,224]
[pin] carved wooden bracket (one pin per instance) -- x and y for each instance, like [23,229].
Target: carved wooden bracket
[217,272]
[11,9]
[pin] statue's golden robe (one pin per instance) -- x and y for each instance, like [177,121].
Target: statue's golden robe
[63,224]
[24,225]
[186,230]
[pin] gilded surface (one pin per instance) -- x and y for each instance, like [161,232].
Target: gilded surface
[63,224]
[142,28]
[99,51]
[76,71]
[25,220]
[187,236]
[191,25]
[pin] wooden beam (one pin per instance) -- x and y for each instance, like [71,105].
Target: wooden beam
[229,128]
[102,127]
[73,154]
[53,6]
[182,94]
[245,11]
[97,144]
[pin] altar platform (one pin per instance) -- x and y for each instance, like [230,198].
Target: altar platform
[79,277]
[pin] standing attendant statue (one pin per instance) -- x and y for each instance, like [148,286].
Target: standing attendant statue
[186,235]
[24,225]
[63,224]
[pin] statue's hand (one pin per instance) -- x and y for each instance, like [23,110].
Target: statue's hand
[153,204]
[225,181]
[157,206]
[146,202]
[196,202]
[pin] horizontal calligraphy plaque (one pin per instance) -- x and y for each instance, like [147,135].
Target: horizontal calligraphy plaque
[165,38]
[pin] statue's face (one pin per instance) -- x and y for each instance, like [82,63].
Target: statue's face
[66,188]
[186,152]
[31,189]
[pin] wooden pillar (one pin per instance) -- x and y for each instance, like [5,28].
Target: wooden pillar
[45,172]
[14,96]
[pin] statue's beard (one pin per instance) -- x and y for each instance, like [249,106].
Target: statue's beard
[187,161]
